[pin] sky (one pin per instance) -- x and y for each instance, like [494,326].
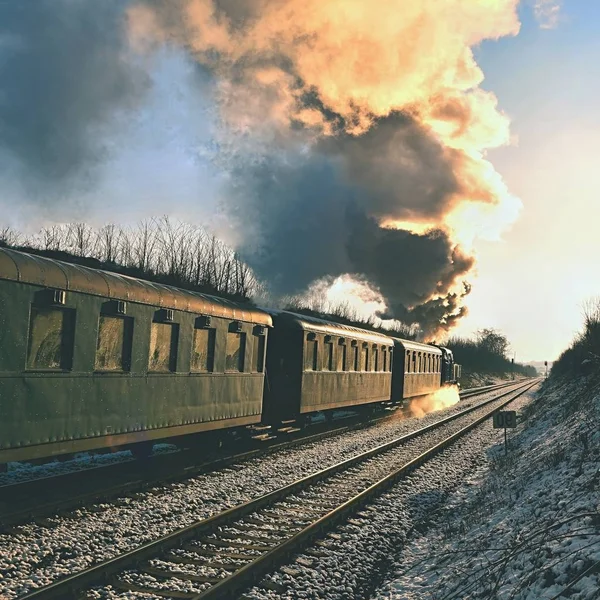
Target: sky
[332,145]
[532,285]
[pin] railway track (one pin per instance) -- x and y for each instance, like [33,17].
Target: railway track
[220,556]
[21,502]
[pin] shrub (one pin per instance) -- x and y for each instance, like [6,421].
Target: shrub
[583,356]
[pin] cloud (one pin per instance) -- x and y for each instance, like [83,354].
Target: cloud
[547,13]
[339,121]
[65,75]
[317,127]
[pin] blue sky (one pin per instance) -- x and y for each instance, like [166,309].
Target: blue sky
[144,130]
[532,285]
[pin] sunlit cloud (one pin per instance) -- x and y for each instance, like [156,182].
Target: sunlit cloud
[547,12]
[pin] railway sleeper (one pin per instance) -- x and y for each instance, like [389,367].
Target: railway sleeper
[233,544]
[155,571]
[281,516]
[254,525]
[132,587]
[250,521]
[207,562]
[210,553]
[249,536]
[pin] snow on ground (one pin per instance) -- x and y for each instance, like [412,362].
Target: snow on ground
[37,554]
[474,380]
[353,561]
[18,472]
[524,526]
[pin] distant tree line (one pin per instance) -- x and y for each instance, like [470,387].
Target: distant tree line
[487,354]
[583,355]
[179,254]
[161,250]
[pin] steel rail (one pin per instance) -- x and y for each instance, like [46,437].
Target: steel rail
[134,481]
[103,571]
[253,571]
[470,392]
[162,469]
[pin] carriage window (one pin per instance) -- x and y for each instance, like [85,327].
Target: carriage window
[354,358]
[113,348]
[390,362]
[384,357]
[163,347]
[236,346]
[259,353]
[407,361]
[50,339]
[328,366]
[203,351]
[375,359]
[341,358]
[312,355]
[413,367]
[365,360]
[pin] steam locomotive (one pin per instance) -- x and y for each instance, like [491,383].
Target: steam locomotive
[91,359]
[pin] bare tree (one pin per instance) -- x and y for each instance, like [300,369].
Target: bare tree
[81,238]
[182,253]
[143,245]
[109,243]
[10,236]
[51,238]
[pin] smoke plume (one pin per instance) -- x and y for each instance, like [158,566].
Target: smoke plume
[63,78]
[341,138]
[353,135]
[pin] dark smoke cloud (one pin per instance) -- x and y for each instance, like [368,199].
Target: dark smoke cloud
[403,171]
[304,220]
[413,272]
[313,174]
[334,159]
[64,75]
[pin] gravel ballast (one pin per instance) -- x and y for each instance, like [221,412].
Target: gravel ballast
[36,555]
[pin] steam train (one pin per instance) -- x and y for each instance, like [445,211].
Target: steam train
[91,359]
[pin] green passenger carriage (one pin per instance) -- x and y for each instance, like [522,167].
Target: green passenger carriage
[316,365]
[91,359]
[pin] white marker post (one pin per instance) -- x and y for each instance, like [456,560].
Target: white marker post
[505,419]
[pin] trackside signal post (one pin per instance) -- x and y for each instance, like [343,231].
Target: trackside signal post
[506,419]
